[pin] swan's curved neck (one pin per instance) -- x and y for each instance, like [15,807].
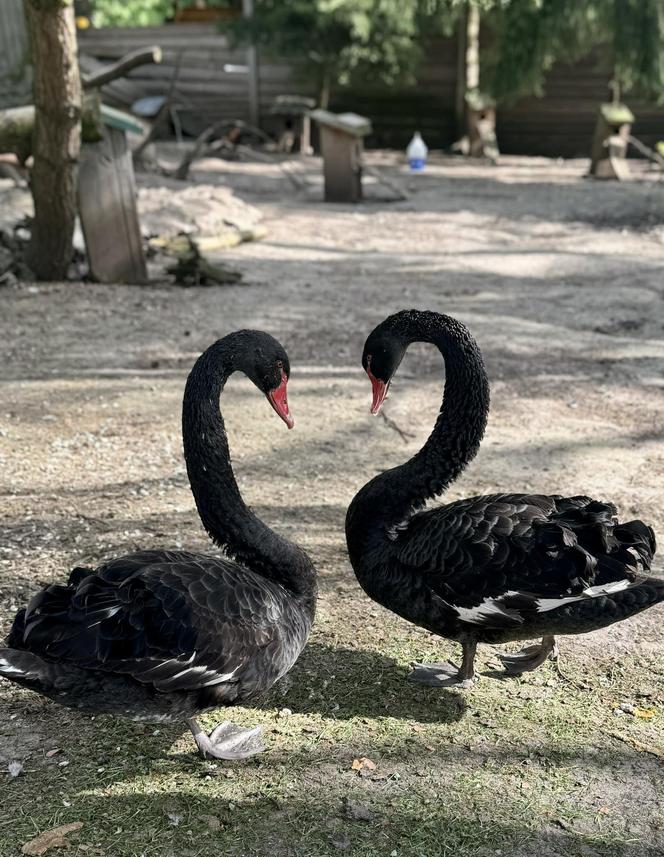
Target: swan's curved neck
[223,512]
[390,498]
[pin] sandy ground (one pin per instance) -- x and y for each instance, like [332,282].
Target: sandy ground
[560,279]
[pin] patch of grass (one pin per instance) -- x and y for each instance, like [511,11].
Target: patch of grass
[527,766]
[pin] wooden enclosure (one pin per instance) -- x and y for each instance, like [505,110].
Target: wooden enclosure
[559,124]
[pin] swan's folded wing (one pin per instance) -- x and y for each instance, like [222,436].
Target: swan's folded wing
[175,621]
[531,546]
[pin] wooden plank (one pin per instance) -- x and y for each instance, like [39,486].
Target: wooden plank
[107,207]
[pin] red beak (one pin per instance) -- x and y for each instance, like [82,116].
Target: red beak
[379,389]
[278,398]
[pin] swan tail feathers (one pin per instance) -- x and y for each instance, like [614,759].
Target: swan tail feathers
[32,671]
[617,602]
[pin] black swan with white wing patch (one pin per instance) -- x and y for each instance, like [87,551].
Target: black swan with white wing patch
[165,634]
[488,569]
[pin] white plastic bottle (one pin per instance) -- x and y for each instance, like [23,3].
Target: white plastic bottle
[416,153]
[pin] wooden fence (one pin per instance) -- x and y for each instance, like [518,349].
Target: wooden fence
[209,86]
[209,89]
[15,72]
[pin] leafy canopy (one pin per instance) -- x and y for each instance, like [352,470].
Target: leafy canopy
[528,36]
[340,41]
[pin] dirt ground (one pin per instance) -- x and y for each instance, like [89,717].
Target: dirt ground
[562,282]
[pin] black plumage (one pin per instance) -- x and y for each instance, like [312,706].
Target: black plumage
[168,634]
[488,569]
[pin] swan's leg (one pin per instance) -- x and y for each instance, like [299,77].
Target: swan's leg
[227,741]
[448,674]
[531,657]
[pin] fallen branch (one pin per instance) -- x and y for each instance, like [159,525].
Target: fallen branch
[17,124]
[639,745]
[399,193]
[404,435]
[264,157]
[646,151]
[197,149]
[193,269]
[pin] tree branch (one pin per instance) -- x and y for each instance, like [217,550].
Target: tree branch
[141,56]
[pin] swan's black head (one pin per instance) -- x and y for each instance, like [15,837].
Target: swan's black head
[383,352]
[264,361]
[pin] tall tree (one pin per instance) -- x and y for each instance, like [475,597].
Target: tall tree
[57,134]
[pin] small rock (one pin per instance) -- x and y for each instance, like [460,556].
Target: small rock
[356,811]
[212,822]
[341,841]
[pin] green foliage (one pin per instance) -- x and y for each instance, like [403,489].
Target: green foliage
[130,13]
[528,36]
[637,28]
[139,13]
[341,41]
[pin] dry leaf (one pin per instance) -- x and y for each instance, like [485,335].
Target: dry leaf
[645,713]
[363,763]
[54,838]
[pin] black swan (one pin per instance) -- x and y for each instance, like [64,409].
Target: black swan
[487,569]
[162,635]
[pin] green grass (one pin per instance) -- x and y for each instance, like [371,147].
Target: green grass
[539,765]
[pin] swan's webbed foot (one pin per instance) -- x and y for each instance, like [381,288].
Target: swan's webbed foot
[227,741]
[439,675]
[531,657]
[447,674]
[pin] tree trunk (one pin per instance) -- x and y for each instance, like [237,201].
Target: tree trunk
[57,134]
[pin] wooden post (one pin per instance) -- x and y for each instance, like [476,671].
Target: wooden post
[341,166]
[609,147]
[341,142]
[252,63]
